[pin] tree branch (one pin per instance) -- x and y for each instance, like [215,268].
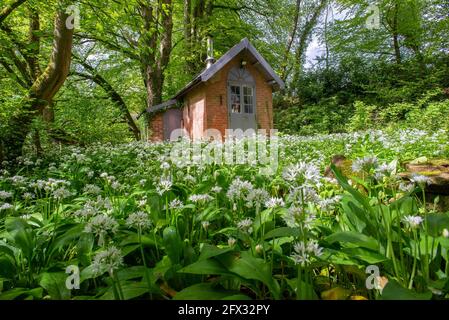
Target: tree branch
[6,11]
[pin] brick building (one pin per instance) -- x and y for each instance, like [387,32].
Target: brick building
[233,92]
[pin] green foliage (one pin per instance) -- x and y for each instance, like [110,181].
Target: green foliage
[106,210]
[362,117]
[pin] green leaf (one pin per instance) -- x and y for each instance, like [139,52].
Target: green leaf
[130,291]
[21,292]
[355,238]
[207,267]
[134,272]
[87,273]
[347,187]
[365,255]
[282,232]
[6,249]
[173,244]
[436,222]
[84,247]
[252,268]
[262,218]
[67,237]
[7,268]
[394,291]
[209,251]
[22,234]
[55,284]
[305,287]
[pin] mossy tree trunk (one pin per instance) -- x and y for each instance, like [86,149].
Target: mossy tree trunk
[44,86]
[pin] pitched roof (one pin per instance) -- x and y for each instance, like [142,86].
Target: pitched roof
[260,63]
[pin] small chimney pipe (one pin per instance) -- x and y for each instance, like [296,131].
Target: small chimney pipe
[210,52]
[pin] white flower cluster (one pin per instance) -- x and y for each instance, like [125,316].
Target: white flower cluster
[107,260]
[200,198]
[365,164]
[164,185]
[413,222]
[246,225]
[101,224]
[139,220]
[5,194]
[302,173]
[239,189]
[304,252]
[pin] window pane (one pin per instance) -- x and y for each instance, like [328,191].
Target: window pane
[235,99]
[248,100]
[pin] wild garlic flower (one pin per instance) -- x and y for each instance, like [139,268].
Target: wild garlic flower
[245,225]
[216,189]
[205,224]
[445,233]
[302,173]
[87,211]
[92,189]
[256,198]
[239,189]
[200,198]
[5,194]
[385,170]
[274,202]
[406,187]
[116,185]
[304,252]
[175,204]
[420,180]
[139,220]
[165,165]
[101,225]
[6,206]
[231,242]
[61,193]
[18,180]
[303,195]
[413,222]
[364,164]
[329,204]
[107,260]
[299,217]
[28,196]
[165,185]
[142,202]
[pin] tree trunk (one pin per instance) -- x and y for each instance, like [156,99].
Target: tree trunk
[291,38]
[43,89]
[154,61]
[397,49]
[304,38]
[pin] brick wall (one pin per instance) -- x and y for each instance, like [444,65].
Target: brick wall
[157,127]
[194,112]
